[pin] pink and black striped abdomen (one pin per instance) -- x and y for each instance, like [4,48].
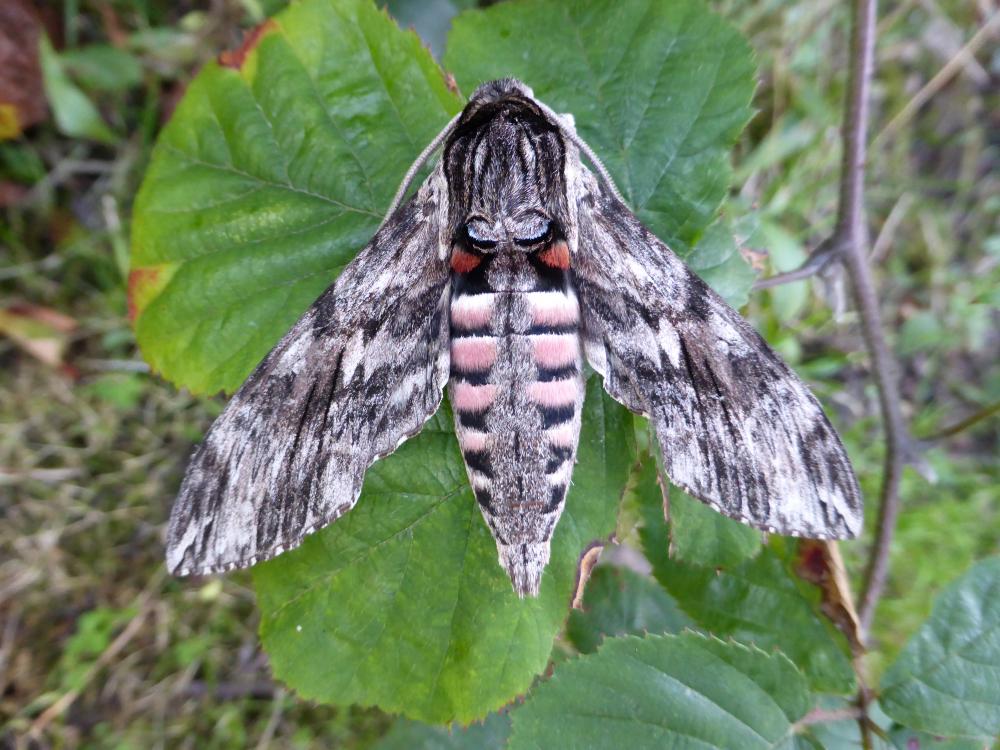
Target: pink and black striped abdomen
[517,391]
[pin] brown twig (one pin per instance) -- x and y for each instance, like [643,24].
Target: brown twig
[829,251]
[853,228]
[232,691]
[852,225]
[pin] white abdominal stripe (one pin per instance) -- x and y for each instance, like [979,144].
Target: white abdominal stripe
[554,309]
[472,312]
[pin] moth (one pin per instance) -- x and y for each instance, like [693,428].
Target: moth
[511,265]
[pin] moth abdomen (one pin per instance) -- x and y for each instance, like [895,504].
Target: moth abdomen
[517,391]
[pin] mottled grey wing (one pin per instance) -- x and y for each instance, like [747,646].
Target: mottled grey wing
[358,374]
[736,426]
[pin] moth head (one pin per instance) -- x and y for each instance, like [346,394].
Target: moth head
[504,165]
[493,91]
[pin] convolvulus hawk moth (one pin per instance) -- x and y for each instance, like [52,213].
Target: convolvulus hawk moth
[511,264]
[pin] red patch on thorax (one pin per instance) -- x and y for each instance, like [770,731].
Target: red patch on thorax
[463,262]
[556,255]
[235,58]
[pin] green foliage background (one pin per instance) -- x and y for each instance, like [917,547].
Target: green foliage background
[268,178]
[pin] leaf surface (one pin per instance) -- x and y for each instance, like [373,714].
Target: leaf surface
[619,601]
[269,178]
[274,171]
[405,734]
[700,535]
[946,681]
[678,691]
[757,601]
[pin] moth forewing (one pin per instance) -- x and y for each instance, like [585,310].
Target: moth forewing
[736,427]
[288,454]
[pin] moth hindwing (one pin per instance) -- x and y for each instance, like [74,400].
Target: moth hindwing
[511,264]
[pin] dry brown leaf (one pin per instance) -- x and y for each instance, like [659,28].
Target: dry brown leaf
[22,95]
[584,568]
[820,563]
[40,331]
[756,258]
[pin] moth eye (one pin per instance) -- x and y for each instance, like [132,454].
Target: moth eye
[478,241]
[540,237]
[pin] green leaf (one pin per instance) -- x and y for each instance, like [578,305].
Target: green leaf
[702,536]
[696,533]
[787,253]
[677,691]
[759,601]
[717,259]
[659,90]
[947,679]
[619,601]
[267,181]
[102,67]
[75,115]
[802,742]
[405,734]
[402,604]
[732,279]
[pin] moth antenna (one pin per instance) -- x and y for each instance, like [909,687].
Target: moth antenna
[415,167]
[581,144]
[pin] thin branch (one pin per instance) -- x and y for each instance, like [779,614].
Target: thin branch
[979,416]
[827,252]
[863,701]
[849,245]
[851,224]
[232,691]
